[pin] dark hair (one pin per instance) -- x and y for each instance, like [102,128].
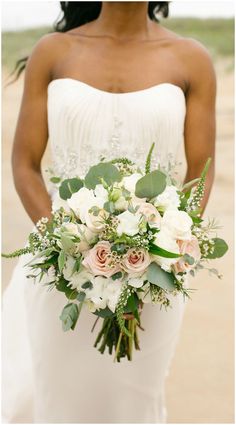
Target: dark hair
[77,13]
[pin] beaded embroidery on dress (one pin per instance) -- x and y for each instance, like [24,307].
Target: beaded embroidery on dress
[84,125]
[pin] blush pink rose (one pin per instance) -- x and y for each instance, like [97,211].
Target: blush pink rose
[136,261]
[98,260]
[190,247]
[151,214]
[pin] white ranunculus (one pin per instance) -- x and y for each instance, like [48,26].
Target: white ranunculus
[129,182]
[168,199]
[164,240]
[79,278]
[128,223]
[177,223]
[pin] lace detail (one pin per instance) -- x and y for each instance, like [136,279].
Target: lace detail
[65,162]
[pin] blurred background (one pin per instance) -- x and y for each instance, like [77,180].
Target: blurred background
[200,386]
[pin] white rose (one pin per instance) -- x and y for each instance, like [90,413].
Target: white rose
[81,201]
[164,240]
[129,182]
[72,228]
[177,223]
[168,199]
[87,237]
[128,223]
[95,223]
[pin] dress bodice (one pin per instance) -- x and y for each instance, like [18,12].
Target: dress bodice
[86,124]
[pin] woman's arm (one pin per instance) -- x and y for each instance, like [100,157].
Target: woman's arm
[200,125]
[31,133]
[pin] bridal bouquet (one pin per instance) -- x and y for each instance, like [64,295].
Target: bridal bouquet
[119,238]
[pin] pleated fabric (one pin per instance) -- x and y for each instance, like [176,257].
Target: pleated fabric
[54,377]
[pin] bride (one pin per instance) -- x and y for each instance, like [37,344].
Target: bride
[109,81]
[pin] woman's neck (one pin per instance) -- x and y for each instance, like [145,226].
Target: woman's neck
[124,20]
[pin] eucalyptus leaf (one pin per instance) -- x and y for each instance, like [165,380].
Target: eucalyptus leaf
[66,242]
[70,186]
[188,259]
[81,296]
[87,285]
[151,185]
[220,248]
[61,260]
[104,171]
[69,316]
[157,276]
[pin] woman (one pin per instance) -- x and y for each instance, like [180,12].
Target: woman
[109,81]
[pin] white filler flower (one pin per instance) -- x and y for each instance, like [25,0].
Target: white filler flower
[168,199]
[128,223]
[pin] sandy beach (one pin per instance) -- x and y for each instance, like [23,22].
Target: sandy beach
[200,383]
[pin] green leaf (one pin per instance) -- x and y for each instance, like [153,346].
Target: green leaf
[188,259]
[159,277]
[116,276]
[132,304]
[87,285]
[106,312]
[67,243]
[109,207]
[220,248]
[62,286]
[150,185]
[156,250]
[61,260]
[69,316]
[55,179]
[70,186]
[103,171]
[190,183]
[81,297]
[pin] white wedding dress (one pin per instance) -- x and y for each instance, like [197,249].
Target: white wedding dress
[51,376]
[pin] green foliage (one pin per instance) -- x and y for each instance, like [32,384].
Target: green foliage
[106,312]
[156,250]
[188,259]
[61,260]
[105,171]
[69,316]
[120,308]
[220,248]
[151,185]
[157,276]
[17,253]
[70,186]
[148,160]
[62,286]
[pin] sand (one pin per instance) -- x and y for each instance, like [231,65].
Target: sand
[200,383]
